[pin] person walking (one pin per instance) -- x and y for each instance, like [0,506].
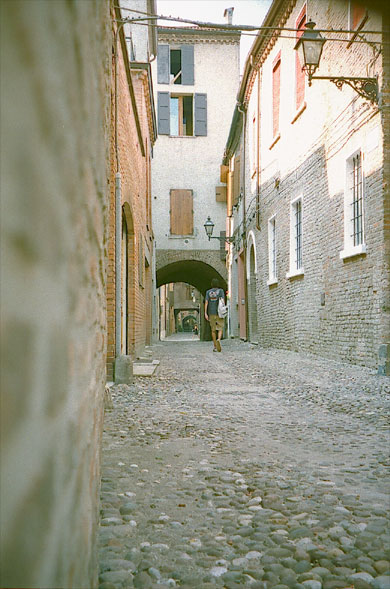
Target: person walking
[211,313]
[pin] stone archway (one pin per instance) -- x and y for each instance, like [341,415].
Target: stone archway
[196,272]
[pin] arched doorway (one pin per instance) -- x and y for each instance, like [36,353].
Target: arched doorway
[252,288]
[127,281]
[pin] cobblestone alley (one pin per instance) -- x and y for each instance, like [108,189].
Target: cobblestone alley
[252,467]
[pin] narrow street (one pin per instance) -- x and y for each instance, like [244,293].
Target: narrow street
[252,467]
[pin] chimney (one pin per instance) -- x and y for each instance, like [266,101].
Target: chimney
[228,14]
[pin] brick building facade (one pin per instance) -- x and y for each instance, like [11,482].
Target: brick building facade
[133,133]
[311,196]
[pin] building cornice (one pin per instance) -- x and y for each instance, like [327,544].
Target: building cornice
[196,35]
[144,69]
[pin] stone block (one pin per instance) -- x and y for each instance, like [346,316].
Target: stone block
[124,370]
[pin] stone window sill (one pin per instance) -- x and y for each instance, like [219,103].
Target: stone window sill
[275,140]
[299,112]
[181,236]
[272,281]
[295,273]
[351,252]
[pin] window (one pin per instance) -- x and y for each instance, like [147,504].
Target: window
[272,276]
[296,239]
[276,96]
[181,212]
[182,115]
[357,15]
[254,145]
[299,73]
[354,208]
[182,120]
[175,65]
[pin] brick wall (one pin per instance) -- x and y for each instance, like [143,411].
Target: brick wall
[54,133]
[339,307]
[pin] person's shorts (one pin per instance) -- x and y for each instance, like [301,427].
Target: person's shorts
[216,323]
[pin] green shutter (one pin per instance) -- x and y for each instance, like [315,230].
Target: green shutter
[163,64]
[187,65]
[163,113]
[200,114]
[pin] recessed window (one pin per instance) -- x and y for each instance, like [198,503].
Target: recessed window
[354,207]
[296,238]
[182,115]
[272,276]
[182,118]
[175,66]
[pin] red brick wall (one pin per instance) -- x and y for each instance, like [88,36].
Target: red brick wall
[135,186]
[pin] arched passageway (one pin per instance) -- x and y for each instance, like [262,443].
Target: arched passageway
[197,274]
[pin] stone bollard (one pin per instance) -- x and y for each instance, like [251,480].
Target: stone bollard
[124,370]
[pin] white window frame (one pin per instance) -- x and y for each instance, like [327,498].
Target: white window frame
[272,270]
[296,268]
[350,247]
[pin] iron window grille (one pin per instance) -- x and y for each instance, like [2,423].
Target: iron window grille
[357,200]
[298,234]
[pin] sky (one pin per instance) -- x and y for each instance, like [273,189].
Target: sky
[246,12]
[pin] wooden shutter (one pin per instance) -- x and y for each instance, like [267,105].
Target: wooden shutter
[236,179]
[181,212]
[187,65]
[275,96]
[163,64]
[358,15]
[163,113]
[299,73]
[200,114]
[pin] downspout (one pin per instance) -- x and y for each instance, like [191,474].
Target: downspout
[118,213]
[258,176]
[244,120]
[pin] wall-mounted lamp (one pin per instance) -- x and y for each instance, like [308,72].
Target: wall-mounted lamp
[309,47]
[209,228]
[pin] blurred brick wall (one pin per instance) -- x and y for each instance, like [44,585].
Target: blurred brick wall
[56,68]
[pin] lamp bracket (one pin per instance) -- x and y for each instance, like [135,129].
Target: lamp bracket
[365,87]
[226,239]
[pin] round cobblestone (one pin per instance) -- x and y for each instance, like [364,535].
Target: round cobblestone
[257,468]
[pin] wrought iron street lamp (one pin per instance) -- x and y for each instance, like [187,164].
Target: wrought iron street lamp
[209,228]
[309,47]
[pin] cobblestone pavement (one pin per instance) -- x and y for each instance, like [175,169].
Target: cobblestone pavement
[256,468]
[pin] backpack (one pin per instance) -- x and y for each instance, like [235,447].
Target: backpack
[222,308]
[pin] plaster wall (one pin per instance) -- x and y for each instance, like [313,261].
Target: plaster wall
[194,162]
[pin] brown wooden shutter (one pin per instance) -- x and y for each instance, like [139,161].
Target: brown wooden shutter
[275,95]
[236,179]
[181,212]
[299,73]
[358,14]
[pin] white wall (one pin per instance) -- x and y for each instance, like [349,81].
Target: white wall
[194,162]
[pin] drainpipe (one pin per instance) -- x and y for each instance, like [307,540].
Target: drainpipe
[118,213]
[259,71]
[244,121]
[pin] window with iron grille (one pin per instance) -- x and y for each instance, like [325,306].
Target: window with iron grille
[354,207]
[272,276]
[296,238]
[298,234]
[357,200]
